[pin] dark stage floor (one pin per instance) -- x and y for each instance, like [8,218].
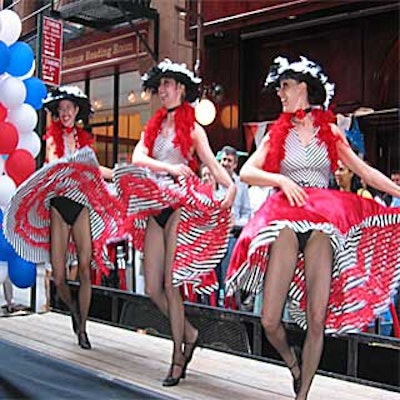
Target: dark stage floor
[28,374]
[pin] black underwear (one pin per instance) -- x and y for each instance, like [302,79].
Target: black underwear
[303,239]
[163,217]
[68,208]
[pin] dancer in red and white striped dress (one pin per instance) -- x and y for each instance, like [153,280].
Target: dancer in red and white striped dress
[335,255]
[66,199]
[182,230]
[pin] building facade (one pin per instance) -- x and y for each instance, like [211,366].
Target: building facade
[106,50]
[356,42]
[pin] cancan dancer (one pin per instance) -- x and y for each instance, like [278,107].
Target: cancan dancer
[180,227]
[64,210]
[334,254]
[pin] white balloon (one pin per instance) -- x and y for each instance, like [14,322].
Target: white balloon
[24,117]
[7,189]
[1,165]
[3,76]
[30,73]
[10,27]
[12,92]
[30,142]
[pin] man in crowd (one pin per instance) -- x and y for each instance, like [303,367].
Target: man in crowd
[241,211]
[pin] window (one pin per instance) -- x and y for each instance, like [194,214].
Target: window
[102,121]
[133,113]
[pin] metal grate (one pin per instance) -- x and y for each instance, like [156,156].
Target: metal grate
[90,10]
[144,316]
[105,13]
[217,334]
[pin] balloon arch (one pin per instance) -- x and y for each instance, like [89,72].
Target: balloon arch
[21,95]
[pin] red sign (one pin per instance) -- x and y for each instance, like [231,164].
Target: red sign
[52,33]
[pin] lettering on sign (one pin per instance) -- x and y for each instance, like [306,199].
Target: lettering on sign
[110,50]
[51,50]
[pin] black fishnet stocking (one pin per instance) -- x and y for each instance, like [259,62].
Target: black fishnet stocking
[83,241]
[159,252]
[318,262]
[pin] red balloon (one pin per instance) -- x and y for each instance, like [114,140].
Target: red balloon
[3,112]
[8,137]
[19,165]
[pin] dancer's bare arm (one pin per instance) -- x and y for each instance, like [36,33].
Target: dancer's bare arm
[371,176]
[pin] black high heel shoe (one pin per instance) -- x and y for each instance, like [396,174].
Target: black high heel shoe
[297,363]
[76,320]
[170,380]
[190,353]
[83,341]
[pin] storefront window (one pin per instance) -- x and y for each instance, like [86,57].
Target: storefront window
[134,111]
[101,96]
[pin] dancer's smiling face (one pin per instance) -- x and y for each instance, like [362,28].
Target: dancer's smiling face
[67,111]
[293,95]
[171,92]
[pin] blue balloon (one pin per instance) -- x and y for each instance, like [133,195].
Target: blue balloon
[35,92]
[1,218]
[22,273]
[21,59]
[5,56]
[7,252]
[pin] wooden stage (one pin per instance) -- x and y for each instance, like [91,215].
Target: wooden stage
[143,360]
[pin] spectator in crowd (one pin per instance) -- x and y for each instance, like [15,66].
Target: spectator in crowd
[303,242]
[11,307]
[395,177]
[207,177]
[8,296]
[395,202]
[241,213]
[347,181]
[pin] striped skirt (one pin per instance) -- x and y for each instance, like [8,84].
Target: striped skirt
[202,232]
[26,222]
[365,239]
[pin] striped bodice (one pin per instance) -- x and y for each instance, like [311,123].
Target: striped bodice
[308,165]
[164,149]
[67,149]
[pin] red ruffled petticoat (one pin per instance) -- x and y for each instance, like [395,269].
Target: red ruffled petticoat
[365,237]
[203,228]
[27,216]
[208,286]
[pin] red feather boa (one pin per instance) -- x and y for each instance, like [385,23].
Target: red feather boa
[280,130]
[56,130]
[184,124]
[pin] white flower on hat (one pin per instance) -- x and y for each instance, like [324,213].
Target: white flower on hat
[72,90]
[304,66]
[167,65]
